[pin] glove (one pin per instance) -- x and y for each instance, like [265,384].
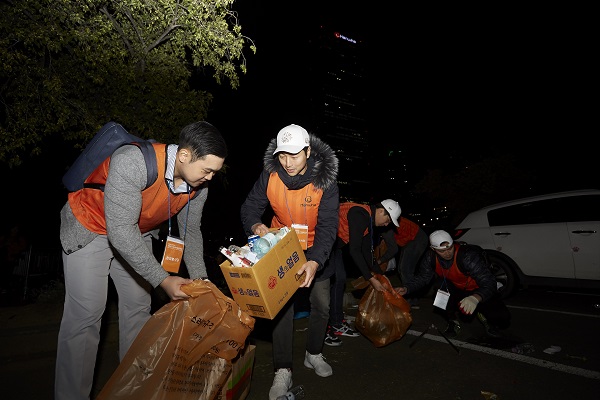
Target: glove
[468,305]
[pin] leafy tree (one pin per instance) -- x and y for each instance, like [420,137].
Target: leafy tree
[69,66]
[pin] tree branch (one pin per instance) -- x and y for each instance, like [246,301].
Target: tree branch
[118,28]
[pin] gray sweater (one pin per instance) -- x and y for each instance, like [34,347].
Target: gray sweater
[122,206]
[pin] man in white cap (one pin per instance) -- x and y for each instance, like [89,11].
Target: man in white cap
[412,242]
[358,230]
[467,284]
[299,183]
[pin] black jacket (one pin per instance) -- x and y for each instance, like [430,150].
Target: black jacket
[360,246]
[322,171]
[470,261]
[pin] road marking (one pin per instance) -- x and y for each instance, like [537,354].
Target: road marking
[513,356]
[555,311]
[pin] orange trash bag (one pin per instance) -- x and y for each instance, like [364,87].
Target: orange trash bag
[383,317]
[185,349]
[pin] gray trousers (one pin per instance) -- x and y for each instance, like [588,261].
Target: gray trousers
[86,288]
[283,330]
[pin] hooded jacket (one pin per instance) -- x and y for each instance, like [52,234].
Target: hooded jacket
[319,179]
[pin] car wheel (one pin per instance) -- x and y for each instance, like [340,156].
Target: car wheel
[506,278]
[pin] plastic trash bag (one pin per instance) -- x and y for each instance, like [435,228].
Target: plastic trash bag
[383,317]
[185,349]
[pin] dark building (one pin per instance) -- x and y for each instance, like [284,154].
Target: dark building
[395,178]
[338,98]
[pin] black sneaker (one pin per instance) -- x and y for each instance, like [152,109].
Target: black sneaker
[414,303]
[453,329]
[493,332]
[490,330]
[332,340]
[343,330]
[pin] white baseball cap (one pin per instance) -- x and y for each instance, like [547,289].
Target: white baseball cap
[292,139]
[393,208]
[438,237]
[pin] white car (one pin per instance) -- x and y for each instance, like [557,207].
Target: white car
[550,240]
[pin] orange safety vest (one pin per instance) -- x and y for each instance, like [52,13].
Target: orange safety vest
[88,204]
[343,228]
[453,274]
[294,206]
[406,232]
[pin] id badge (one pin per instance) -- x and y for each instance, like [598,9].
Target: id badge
[441,299]
[173,254]
[302,233]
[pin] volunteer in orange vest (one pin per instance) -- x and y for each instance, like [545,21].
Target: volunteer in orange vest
[467,286]
[358,229]
[299,183]
[109,233]
[412,242]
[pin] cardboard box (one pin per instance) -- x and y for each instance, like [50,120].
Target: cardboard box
[263,290]
[238,382]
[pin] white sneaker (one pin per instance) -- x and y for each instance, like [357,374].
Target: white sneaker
[281,383]
[317,362]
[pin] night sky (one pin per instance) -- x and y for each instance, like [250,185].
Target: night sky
[446,84]
[443,82]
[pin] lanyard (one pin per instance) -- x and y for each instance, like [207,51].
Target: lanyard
[186,214]
[372,238]
[444,283]
[288,206]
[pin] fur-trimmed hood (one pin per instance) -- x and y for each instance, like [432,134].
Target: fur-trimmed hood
[322,165]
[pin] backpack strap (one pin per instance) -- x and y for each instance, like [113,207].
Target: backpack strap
[149,157]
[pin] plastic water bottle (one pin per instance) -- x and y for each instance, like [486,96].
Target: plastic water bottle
[282,232]
[264,244]
[295,393]
[268,241]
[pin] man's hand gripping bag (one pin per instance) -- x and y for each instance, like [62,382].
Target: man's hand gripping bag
[383,317]
[185,349]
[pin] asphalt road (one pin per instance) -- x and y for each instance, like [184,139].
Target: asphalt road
[557,332]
